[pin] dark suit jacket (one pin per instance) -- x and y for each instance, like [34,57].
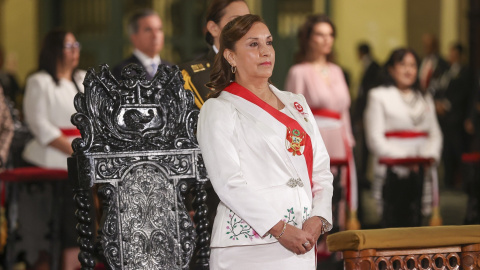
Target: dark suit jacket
[196,74]
[370,79]
[441,67]
[459,93]
[117,70]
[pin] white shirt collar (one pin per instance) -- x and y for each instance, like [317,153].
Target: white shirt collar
[215,49]
[146,60]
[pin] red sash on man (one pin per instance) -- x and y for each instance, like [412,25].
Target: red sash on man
[240,91]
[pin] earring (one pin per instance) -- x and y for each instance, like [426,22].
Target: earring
[234,69]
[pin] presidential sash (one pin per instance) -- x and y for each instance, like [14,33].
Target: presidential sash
[297,140]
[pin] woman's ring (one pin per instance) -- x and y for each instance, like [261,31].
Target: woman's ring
[306,244]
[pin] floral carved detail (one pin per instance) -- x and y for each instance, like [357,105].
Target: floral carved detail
[108,233]
[149,208]
[138,147]
[113,168]
[178,164]
[134,114]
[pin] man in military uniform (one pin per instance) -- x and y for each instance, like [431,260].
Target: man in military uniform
[197,72]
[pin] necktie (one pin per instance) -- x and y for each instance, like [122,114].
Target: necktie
[154,69]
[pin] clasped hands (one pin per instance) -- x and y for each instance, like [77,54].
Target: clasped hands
[299,241]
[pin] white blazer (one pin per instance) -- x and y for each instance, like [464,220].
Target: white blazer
[47,109]
[387,111]
[245,153]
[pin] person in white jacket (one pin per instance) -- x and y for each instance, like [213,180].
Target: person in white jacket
[265,158]
[48,107]
[400,122]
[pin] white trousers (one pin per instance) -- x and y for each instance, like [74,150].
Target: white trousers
[269,256]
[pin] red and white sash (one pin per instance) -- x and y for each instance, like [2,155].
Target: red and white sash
[249,104]
[351,175]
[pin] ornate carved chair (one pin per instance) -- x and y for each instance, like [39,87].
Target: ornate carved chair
[138,149]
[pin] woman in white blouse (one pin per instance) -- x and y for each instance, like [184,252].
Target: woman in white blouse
[401,122]
[48,102]
[48,106]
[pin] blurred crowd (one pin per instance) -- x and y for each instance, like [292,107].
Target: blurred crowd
[407,110]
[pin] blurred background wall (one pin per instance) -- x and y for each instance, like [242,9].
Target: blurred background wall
[100,26]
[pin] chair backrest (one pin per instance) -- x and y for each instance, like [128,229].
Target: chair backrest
[138,148]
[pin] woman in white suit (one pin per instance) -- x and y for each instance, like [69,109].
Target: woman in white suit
[265,158]
[48,106]
[48,102]
[401,122]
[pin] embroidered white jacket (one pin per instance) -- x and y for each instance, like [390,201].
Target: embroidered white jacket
[245,153]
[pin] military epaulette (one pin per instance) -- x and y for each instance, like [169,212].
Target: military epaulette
[190,86]
[199,67]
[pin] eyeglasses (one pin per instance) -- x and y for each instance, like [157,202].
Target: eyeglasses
[71,46]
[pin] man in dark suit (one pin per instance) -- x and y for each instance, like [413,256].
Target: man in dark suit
[146,34]
[452,103]
[433,65]
[370,79]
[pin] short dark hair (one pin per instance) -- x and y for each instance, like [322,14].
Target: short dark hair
[136,16]
[396,57]
[51,52]
[215,12]
[364,48]
[233,31]
[305,33]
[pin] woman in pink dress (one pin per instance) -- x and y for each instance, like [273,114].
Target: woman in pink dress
[326,92]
